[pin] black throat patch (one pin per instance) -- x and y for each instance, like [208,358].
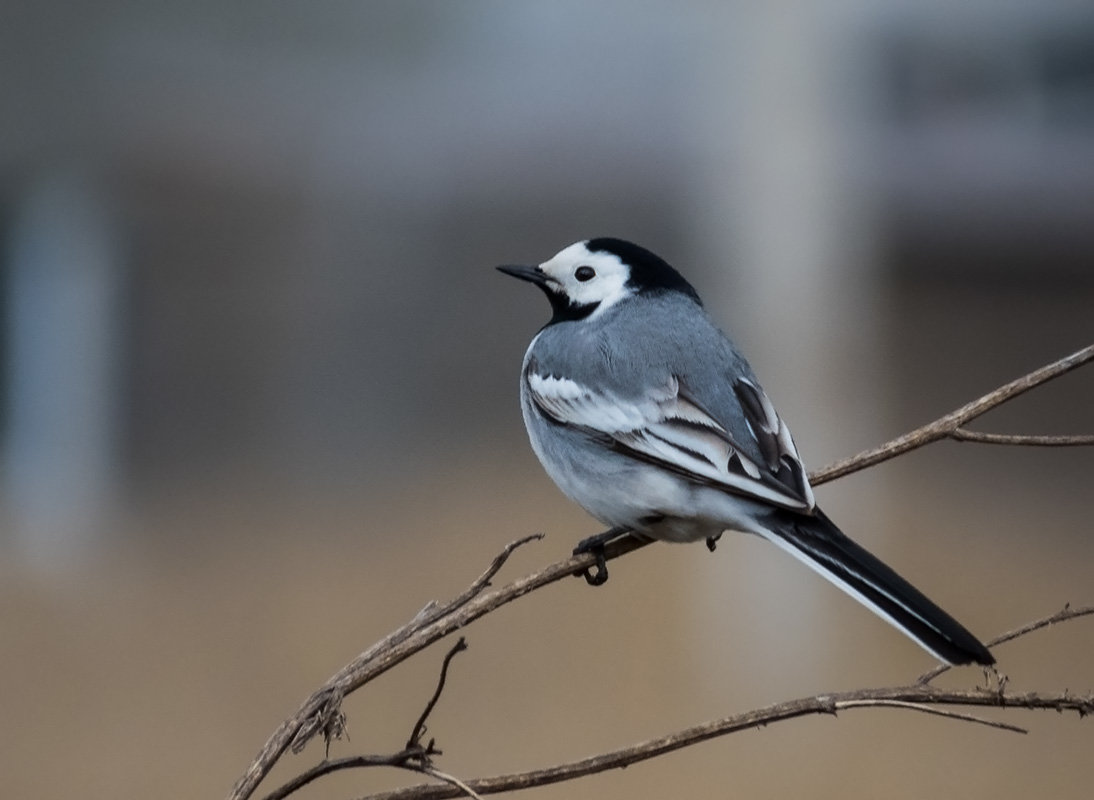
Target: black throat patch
[565,310]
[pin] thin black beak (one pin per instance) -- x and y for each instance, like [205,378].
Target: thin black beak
[531,274]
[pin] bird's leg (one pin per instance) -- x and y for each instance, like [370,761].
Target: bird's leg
[600,540]
[595,545]
[712,542]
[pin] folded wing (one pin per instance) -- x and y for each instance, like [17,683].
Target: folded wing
[669,428]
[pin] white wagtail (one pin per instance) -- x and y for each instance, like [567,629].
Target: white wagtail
[647,416]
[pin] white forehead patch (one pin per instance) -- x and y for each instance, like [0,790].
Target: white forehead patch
[606,286]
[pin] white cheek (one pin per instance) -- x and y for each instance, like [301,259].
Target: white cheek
[585,293]
[606,291]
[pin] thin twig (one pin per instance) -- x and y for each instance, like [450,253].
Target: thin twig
[419,726]
[1022,439]
[483,581]
[939,712]
[1063,615]
[444,776]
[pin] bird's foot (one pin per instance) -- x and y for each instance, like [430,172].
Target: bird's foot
[598,574]
[712,542]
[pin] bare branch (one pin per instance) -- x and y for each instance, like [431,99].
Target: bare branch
[944,427]
[298,728]
[321,711]
[919,697]
[912,697]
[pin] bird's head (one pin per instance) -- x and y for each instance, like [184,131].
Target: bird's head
[589,277]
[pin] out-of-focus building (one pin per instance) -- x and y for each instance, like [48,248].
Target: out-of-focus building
[249,316]
[239,239]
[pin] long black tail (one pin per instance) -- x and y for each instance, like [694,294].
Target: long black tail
[822,546]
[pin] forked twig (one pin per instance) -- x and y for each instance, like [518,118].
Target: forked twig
[939,712]
[948,425]
[383,655]
[414,756]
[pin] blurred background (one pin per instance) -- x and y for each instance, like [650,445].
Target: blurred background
[259,378]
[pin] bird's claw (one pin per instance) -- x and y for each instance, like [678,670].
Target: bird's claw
[712,542]
[597,575]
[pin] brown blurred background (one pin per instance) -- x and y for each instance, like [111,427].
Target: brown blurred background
[258,378]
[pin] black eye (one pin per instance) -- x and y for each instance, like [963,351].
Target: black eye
[584,274]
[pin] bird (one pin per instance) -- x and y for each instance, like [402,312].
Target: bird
[647,415]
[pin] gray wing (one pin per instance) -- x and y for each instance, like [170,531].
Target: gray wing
[667,427]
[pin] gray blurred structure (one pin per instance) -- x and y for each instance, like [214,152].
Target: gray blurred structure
[310,198]
[63,405]
[258,377]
